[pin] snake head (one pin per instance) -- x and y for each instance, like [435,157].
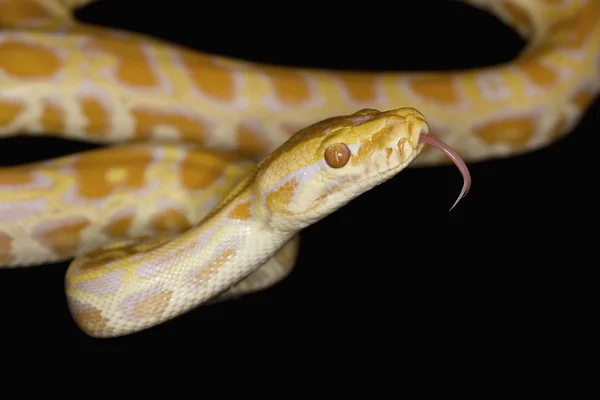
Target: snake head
[326,165]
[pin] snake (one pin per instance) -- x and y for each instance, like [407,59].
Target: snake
[209,167]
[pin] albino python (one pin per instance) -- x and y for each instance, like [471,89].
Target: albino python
[174,212]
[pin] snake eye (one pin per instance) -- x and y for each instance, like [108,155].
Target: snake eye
[337,155]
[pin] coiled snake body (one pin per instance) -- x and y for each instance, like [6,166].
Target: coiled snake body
[184,215]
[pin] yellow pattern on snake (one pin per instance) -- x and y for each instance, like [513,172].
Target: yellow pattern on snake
[184,216]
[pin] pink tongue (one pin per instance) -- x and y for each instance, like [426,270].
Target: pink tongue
[462,167]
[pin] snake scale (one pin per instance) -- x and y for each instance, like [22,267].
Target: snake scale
[213,165]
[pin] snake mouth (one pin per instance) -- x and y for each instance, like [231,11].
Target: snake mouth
[456,159]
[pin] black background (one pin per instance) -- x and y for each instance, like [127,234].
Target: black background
[394,271]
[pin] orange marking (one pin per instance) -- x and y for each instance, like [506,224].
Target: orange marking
[5,249]
[388,153]
[587,21]
[132,66]
[439,90]
[241,211]
[96,263]
[236,190]
[63,240]
[214,266]
[52,118]
[88,317]
[377,141]
[14,176]
[98,118]
[192,129]
[281,197]
[290,87]
[210,78]
[360,88]
[513,131]
[583,98]
[250,140]
[27,60]
[92,170]
[201,172]
[170,221]
[559,128]
[152,305]
[9,111]
[537,73]
[12,12]
[118,228]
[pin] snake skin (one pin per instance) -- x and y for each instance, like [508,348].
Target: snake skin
[228,155]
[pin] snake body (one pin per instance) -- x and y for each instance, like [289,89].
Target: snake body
[213,164]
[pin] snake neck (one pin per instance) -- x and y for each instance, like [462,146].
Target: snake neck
[184,272]
[245,206]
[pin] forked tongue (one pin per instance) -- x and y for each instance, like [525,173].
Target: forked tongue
[456,159]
